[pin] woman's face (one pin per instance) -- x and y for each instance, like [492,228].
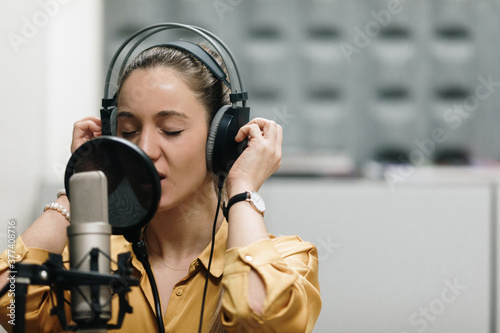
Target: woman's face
[159,113]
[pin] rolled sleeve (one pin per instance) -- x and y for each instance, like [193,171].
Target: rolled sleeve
[37,312]
[288,266]
[22,253]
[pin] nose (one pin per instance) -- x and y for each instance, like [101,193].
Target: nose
[149,143]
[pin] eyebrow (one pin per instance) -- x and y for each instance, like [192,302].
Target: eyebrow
[161,114]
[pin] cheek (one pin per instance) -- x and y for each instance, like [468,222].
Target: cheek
[191,153]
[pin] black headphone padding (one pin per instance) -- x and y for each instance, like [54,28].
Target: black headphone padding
[113,121]
[212,134]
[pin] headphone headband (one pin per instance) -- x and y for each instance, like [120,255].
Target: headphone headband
[202,55]
[215,42]
[221,148]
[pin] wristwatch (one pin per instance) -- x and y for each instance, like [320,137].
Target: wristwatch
[250,196]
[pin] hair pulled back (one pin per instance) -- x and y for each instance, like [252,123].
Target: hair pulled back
[208,90]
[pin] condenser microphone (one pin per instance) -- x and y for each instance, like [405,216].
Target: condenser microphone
[89,246]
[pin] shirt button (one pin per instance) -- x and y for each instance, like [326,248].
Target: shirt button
[248,258]
[179,292]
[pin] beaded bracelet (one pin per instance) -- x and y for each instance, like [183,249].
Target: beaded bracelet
[61,192]
[57,207]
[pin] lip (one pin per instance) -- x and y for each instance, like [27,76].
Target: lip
[162,178]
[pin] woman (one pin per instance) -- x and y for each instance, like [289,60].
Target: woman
[257,283]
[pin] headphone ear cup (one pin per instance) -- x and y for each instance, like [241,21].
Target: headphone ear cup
[212,135]
[108,121]
[222,150]
[113,123]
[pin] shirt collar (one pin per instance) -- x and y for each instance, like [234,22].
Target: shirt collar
[217,266]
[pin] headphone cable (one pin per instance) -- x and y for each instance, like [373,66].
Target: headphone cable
[219,199]
[141,253]
[140,250]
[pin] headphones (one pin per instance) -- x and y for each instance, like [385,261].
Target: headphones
[221,150]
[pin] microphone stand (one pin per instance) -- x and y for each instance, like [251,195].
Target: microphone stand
[52,272]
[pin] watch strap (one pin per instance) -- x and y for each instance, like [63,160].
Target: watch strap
[236,198]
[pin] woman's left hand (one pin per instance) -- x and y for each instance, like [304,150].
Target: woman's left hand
[260,159]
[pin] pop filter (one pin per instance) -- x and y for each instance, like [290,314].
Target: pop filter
[133,183]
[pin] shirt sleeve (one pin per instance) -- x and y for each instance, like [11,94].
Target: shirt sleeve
[289,268]
[38,305]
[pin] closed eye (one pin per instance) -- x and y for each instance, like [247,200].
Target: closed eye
[128,134]
[172,133]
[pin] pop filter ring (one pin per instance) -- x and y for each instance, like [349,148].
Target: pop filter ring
[109,142]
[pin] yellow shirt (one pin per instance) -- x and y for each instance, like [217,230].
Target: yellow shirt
[288,266]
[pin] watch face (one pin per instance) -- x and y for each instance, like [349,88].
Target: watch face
[257,201]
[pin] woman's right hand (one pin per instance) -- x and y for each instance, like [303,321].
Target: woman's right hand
[84,130]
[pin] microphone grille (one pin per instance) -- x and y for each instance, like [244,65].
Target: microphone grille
[89,197]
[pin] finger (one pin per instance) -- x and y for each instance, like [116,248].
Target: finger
[90,123]
[91,118]
[270,130]
[84,130]
[262,122]
[252,130]
[263,125]
[255,131]
[87,128]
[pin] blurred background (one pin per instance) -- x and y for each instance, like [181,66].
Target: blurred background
[390,110]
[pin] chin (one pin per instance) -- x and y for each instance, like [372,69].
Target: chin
[165,205]
[169,203]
